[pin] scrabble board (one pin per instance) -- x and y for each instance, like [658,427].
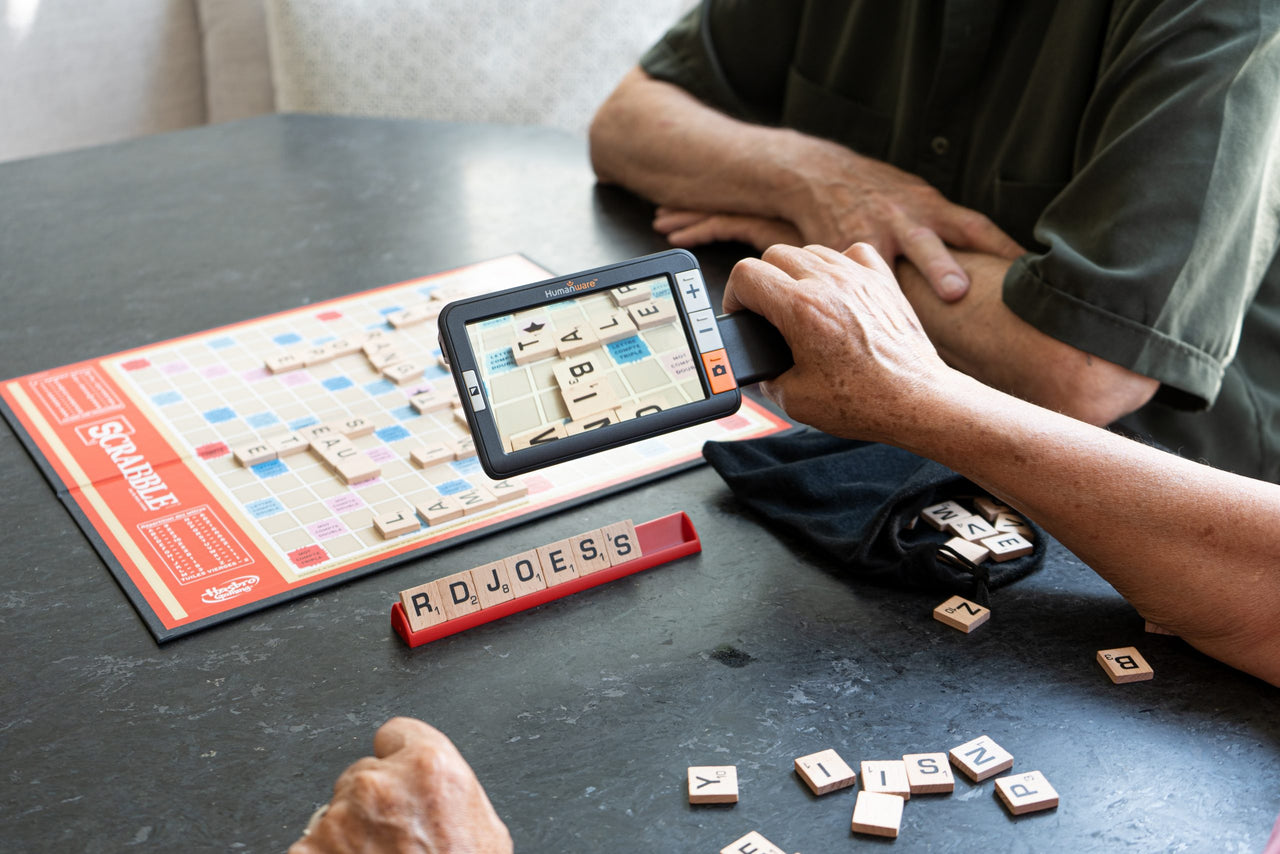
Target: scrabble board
[195,465]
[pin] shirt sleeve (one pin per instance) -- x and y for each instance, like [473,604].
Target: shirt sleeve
[733,55]
[1162,237]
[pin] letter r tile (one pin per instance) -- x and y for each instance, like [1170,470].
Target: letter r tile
[422,606]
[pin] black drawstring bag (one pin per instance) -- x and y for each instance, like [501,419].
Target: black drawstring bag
[857,502]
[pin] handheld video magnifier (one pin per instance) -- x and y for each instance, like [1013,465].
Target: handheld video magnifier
[570,366]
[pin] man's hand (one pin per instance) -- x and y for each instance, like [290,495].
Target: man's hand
[696,228]
[860,200]
[841,198]
[416,795]
[864,367]
[721,178]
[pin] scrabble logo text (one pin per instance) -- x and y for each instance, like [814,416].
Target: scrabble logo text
[113,437]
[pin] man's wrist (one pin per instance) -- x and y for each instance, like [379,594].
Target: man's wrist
[808,170]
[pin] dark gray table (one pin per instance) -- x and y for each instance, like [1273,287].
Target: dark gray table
[580,717]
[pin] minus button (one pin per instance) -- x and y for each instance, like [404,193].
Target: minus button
[706,332]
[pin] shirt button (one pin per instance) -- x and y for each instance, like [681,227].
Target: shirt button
[940,145]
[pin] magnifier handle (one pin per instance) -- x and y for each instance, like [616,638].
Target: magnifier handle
[757,351]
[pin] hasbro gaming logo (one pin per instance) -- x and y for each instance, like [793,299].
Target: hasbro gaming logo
[233,588]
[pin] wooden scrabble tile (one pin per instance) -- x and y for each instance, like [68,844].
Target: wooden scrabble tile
[1007,546]
[1125,665]
[476,500]
[509,490]
[651,313]
[430,401]
[384,355]
[288,444]
[752,843]
[395,523]
[403,318]
[959,613]
[877,814]
[252,453]
[459,594]
[1024,793]
[426,456]
[442,508]
[989,508]
[335,450]
[640,408]
[358,469]
[537,436]
[573,372]
[595,422]
[376,347]
[402,372]
[621,542]
[587,400]
[928,773]
[576,340]
[630,294]
[825,772]
[524,573]
[590,552]
[886,775]
[938,515]
[615,327]
[1012,523]
[464,447]
[972,528]
[413,315]
[981,758]
[713,784]
[325,444]
[317,432]
[354,426]
[459,415]
[346,345]
[492,585]
[289,360]
[559,562]
[975,552]
[1154,629]
[422,606]
[531,348]
[317,355]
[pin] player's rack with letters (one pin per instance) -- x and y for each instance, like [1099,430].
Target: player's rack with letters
[504,587]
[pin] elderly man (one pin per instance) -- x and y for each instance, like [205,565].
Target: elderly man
[1131,146]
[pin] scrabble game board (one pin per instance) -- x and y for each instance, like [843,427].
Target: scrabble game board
[226,471]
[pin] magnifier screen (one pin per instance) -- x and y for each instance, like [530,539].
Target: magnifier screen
[585,362]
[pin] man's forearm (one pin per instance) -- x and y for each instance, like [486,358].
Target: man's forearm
[659,141]
[980,336]
[1191,547]
[662,143]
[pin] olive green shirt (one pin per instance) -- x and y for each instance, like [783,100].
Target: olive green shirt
[1132,146]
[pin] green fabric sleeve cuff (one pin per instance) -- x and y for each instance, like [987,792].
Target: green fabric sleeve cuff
[1189,377]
